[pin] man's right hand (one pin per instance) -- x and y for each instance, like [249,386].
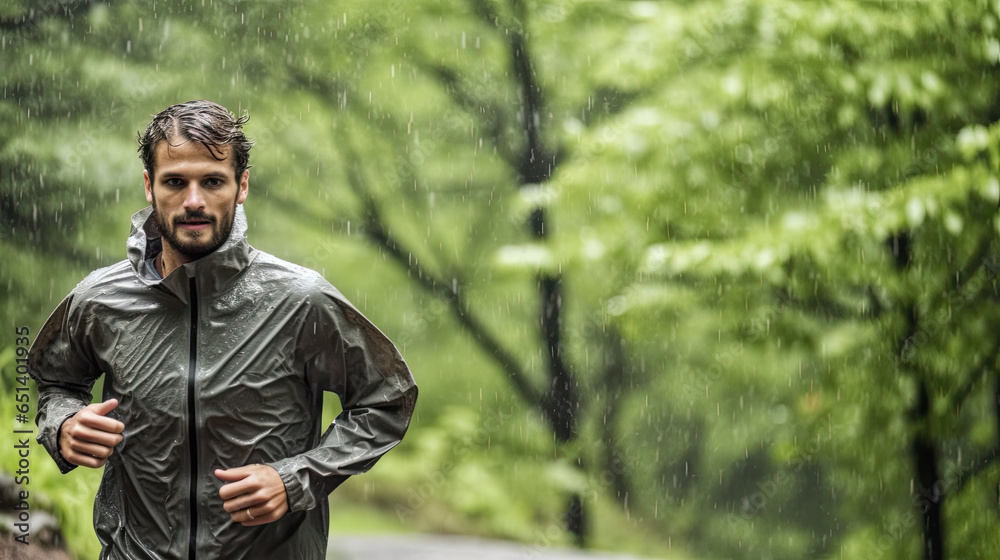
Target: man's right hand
[89,437]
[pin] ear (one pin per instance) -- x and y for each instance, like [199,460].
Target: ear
[244,187]
[149,186]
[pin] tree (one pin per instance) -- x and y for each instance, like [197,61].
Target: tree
[874,256]
[722,255]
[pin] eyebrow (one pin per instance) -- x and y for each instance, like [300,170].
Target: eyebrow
[172,174]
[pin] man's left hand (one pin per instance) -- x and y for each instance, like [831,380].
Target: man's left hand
[253,495]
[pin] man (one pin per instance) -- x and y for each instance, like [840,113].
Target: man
[215,358]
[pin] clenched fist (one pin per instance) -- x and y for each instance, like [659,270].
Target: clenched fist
[89,437]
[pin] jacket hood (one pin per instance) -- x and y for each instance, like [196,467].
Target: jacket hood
[214,272]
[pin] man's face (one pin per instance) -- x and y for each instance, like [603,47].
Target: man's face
[194,197]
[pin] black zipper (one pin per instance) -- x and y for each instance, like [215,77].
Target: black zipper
[193,423]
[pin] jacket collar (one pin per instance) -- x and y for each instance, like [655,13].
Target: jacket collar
[213,273]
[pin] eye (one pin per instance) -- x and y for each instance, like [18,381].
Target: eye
[173,182]
[213,182]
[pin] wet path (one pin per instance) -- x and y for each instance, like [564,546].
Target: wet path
[440,547]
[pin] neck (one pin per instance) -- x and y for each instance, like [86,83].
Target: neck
[168,260]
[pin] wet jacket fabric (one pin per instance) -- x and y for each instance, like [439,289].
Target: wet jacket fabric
[221,364]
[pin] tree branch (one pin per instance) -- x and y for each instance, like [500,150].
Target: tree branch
[977,262]
[448,291]
[986,462]
[979,370]
[994,454]
[536,163]
[30,19]
[467,99]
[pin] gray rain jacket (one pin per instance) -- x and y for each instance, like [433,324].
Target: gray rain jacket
[221,364]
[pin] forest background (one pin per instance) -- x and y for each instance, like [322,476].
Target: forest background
[690,279]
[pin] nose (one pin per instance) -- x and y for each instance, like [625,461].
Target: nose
[193,199]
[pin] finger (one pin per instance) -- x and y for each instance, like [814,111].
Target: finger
[237,486]
[253,496]
[232,475]
[244,480]
[104,423]
[84,460]
[256,498]
[234,490]
[260,517]
[102,409]
[241,503]
[271,508]
[236,474]
[244,515]
[89,435]
[269,517]
[98,451]
[89,462]
[240,495]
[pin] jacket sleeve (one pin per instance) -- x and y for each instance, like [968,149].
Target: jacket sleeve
[64,372]
[346,354]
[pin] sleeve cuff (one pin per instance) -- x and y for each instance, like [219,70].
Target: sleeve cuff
[48,437]
[296,489]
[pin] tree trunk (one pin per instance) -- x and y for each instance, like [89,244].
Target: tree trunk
[535,166]
[562,400]
[930,487]
[614,375]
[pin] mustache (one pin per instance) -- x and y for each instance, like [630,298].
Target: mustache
[196,216]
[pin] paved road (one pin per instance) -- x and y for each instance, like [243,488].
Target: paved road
[440,547]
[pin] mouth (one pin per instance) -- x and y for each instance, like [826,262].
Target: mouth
[195,224]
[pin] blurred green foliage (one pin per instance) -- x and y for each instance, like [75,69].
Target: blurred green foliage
[774,224]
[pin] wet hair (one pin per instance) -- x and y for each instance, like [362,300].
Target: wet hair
[197,121]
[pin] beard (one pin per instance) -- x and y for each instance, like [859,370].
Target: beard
[194,244]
